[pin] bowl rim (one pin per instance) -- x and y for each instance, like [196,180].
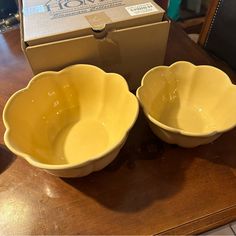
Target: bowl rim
[176,130]
[102,155]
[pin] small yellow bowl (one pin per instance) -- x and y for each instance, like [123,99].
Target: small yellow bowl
[188,105]
[71,122]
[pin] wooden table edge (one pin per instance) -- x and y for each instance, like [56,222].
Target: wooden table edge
[194,227]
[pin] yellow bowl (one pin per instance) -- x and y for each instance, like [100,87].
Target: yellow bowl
[186,104]
[71,122]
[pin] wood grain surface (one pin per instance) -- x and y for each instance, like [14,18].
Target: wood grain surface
[150,188]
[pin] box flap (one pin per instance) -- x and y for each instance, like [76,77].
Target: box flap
[52,20]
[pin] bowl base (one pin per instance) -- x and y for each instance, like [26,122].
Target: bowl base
[80,141]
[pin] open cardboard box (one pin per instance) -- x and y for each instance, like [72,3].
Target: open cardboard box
[124,36]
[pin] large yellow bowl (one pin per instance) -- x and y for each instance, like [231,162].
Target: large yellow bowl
[186,104]
[71,122]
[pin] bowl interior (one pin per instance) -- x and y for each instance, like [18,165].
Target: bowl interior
[186,97]
[71,116]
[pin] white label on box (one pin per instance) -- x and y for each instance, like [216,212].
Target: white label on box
[34,9]
[141,9]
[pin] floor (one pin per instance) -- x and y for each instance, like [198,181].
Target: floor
[229,229]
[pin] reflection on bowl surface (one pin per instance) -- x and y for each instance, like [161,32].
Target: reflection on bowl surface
[70,122]
[188,105]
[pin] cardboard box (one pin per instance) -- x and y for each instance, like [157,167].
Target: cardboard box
[124,36]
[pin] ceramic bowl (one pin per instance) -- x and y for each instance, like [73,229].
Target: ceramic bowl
[186,104]
[71,122]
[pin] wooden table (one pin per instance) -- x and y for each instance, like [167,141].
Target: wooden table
[151,187]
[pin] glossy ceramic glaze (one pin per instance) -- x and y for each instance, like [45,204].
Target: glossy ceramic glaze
[71,122]
[186,104]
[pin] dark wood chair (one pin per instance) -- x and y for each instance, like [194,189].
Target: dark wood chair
[218,34]
[162,3]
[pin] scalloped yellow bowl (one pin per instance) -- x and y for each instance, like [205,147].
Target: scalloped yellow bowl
[71,122]
[188,105]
